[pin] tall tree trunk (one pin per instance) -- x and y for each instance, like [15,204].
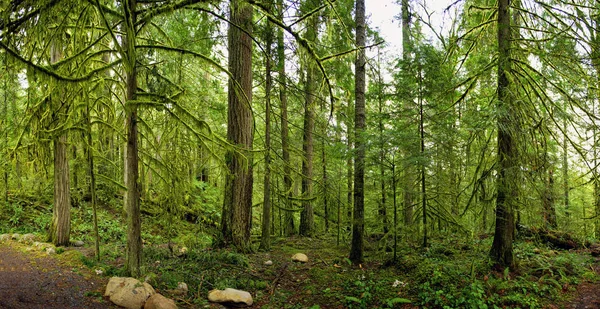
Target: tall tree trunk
[237,204]
[408,167]
[502,246]
[92,175]
[289,226]
[132,196]
[382,212]
[358,224]
[4,127]
[422,165]
[307,224]
[265,241]
[60,228]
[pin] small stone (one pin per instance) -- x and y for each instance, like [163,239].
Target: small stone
[183,287]
[16,236]
[268,263]
[78,243]
[234,297]
[158,301]
[5,237]
[300,257]
[50,250]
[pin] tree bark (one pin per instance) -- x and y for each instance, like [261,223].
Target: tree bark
[132,196]
[60,228]
[408,168]
[356,250]
[502,246]
[237,204]
[307,224]
[265,242]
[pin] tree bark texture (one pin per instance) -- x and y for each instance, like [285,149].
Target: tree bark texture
[237,204]
[132,196]
[60,228]
[502,246]
[408,174]
[358,224]
[265,242]
[307,221]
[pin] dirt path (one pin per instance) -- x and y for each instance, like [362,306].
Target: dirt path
[36,280]
[588,294]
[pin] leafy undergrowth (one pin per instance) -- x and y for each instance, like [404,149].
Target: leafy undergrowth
[452,273]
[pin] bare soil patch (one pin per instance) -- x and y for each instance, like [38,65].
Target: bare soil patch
[32,280]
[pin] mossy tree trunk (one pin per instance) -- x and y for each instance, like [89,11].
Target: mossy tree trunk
[237,204]
[502,246]
[60,227]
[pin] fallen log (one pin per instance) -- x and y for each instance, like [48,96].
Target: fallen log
[557,239]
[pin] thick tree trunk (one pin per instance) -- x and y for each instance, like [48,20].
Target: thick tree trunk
[502,246]
[132,198]
[60,228]
[358,224]
[382,212]
[237,204]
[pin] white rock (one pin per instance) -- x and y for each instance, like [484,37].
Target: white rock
[16,236]
[50,250]
[128,292]
[268,263]
[27,238]
[78,243]
[182,286]
[5,237]
[158,301]
[230,296]
[300,257]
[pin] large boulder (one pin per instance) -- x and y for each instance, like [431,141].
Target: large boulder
[128,292]
[230,297]
[158,301]
[300,257]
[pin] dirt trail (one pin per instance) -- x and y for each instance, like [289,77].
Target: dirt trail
[32,281]
[588,294]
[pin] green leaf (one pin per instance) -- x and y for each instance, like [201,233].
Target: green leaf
[397,300]
[352,299]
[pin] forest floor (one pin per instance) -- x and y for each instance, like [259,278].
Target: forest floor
[33,279]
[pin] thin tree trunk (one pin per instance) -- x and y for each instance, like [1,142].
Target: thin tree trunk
[307,215]
[422,165]
[92,174]
[382,149]
[132,197]
[408,168]
[358,224]
[265,242]
[324,162]
[289,227]
[565,167]
[502,246]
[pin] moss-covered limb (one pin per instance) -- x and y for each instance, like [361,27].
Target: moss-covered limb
[557,239]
